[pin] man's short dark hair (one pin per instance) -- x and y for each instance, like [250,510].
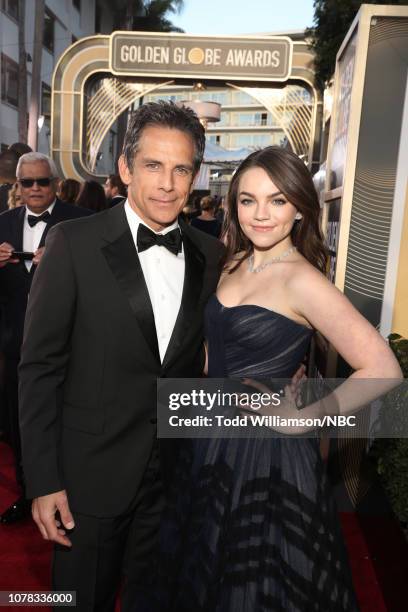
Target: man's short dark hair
[8,165]
[21,148]
[116,181]
[168,115]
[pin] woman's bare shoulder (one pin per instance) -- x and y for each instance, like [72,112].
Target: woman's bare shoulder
[304,275]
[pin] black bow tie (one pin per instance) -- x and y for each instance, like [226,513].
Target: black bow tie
[33,219]
[146,239]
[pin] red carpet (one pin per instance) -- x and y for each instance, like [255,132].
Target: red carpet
[377,550]
[24,556]
[378,554]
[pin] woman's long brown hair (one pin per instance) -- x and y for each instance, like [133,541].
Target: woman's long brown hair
[294,181]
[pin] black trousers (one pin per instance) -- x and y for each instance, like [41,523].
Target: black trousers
[112,554]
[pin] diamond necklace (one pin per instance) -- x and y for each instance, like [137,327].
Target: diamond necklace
[270,262]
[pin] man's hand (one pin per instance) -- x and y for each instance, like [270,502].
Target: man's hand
[37,255]
[6,251]
[44,509]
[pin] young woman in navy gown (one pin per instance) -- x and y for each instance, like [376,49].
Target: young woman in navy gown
[251,525]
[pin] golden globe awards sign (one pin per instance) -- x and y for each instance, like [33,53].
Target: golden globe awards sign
[175,55]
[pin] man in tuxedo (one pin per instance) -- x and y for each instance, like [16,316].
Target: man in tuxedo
[116,304]
[24,229]
[115,190]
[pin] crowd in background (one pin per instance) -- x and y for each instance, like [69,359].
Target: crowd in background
[202,212]
[88,194]
[205,213]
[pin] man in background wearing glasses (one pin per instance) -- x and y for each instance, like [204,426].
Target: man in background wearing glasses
[22,237]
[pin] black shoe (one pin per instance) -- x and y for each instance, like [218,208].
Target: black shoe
[20,510]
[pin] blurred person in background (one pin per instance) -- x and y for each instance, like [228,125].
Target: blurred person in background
[69,190]
[14,197]
[8,165]
[21,148]
[115,190]
[220,209]
[92,196]
[206,221]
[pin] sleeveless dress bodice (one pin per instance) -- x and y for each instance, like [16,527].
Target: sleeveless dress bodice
[247,340]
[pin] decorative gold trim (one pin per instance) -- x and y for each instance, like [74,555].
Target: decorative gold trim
[299,131]
[71,141]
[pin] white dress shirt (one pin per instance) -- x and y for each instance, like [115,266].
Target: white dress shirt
[32,235]
[164,275]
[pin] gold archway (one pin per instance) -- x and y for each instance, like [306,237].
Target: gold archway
[83,112]
[292,113]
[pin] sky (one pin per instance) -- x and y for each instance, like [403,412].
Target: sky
[217,17]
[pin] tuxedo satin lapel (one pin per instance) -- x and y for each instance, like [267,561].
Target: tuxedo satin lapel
[17,229]
[123,260]
[192,287]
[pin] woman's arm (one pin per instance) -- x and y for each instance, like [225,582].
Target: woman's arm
[353,337]
[331,313]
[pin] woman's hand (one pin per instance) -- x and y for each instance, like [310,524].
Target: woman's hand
[289,420]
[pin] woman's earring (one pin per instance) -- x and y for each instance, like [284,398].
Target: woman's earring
[298,216]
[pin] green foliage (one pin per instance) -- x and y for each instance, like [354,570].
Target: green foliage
[392,467]
[331,21]
[391,455]
[156,11]
[399,346]
[147,15]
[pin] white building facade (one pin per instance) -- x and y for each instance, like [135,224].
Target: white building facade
[65,21]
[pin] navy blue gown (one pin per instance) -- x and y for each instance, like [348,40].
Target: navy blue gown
[251,525]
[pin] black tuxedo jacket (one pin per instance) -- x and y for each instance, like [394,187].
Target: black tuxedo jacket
[15,280]
[90,360]
[117,200]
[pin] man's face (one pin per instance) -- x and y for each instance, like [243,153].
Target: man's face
[37,197]
[162,175]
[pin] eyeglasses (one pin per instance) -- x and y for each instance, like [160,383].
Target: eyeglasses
[41,182]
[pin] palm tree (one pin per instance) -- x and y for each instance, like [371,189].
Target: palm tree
[149,15]
[156,11]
